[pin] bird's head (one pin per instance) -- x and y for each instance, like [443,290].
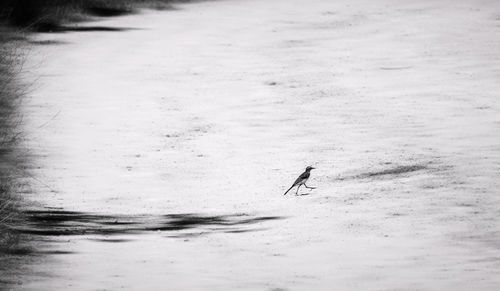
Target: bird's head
[309,168]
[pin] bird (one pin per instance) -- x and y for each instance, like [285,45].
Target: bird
[301,180]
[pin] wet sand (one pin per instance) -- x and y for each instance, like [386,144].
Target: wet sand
[163,149]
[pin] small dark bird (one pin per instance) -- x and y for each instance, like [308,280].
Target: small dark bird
[301,180]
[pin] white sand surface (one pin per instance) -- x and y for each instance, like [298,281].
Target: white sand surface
[216,107]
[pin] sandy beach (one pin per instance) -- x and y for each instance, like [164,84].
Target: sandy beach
[162,150]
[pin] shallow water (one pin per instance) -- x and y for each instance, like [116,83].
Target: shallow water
[162,151]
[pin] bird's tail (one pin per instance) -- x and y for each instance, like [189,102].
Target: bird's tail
[288,190]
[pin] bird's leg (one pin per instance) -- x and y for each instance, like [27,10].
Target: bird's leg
[309,187]
[297,192]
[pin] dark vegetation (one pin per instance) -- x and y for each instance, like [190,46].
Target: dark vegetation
[11,161]
[14,245]
[55,15]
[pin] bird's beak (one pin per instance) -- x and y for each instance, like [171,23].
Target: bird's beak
[313,168]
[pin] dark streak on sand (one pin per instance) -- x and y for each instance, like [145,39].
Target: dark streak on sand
[47,42]
[59,222]
[396,171]
[67,28]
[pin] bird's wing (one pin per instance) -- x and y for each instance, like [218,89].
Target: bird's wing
[302,176]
